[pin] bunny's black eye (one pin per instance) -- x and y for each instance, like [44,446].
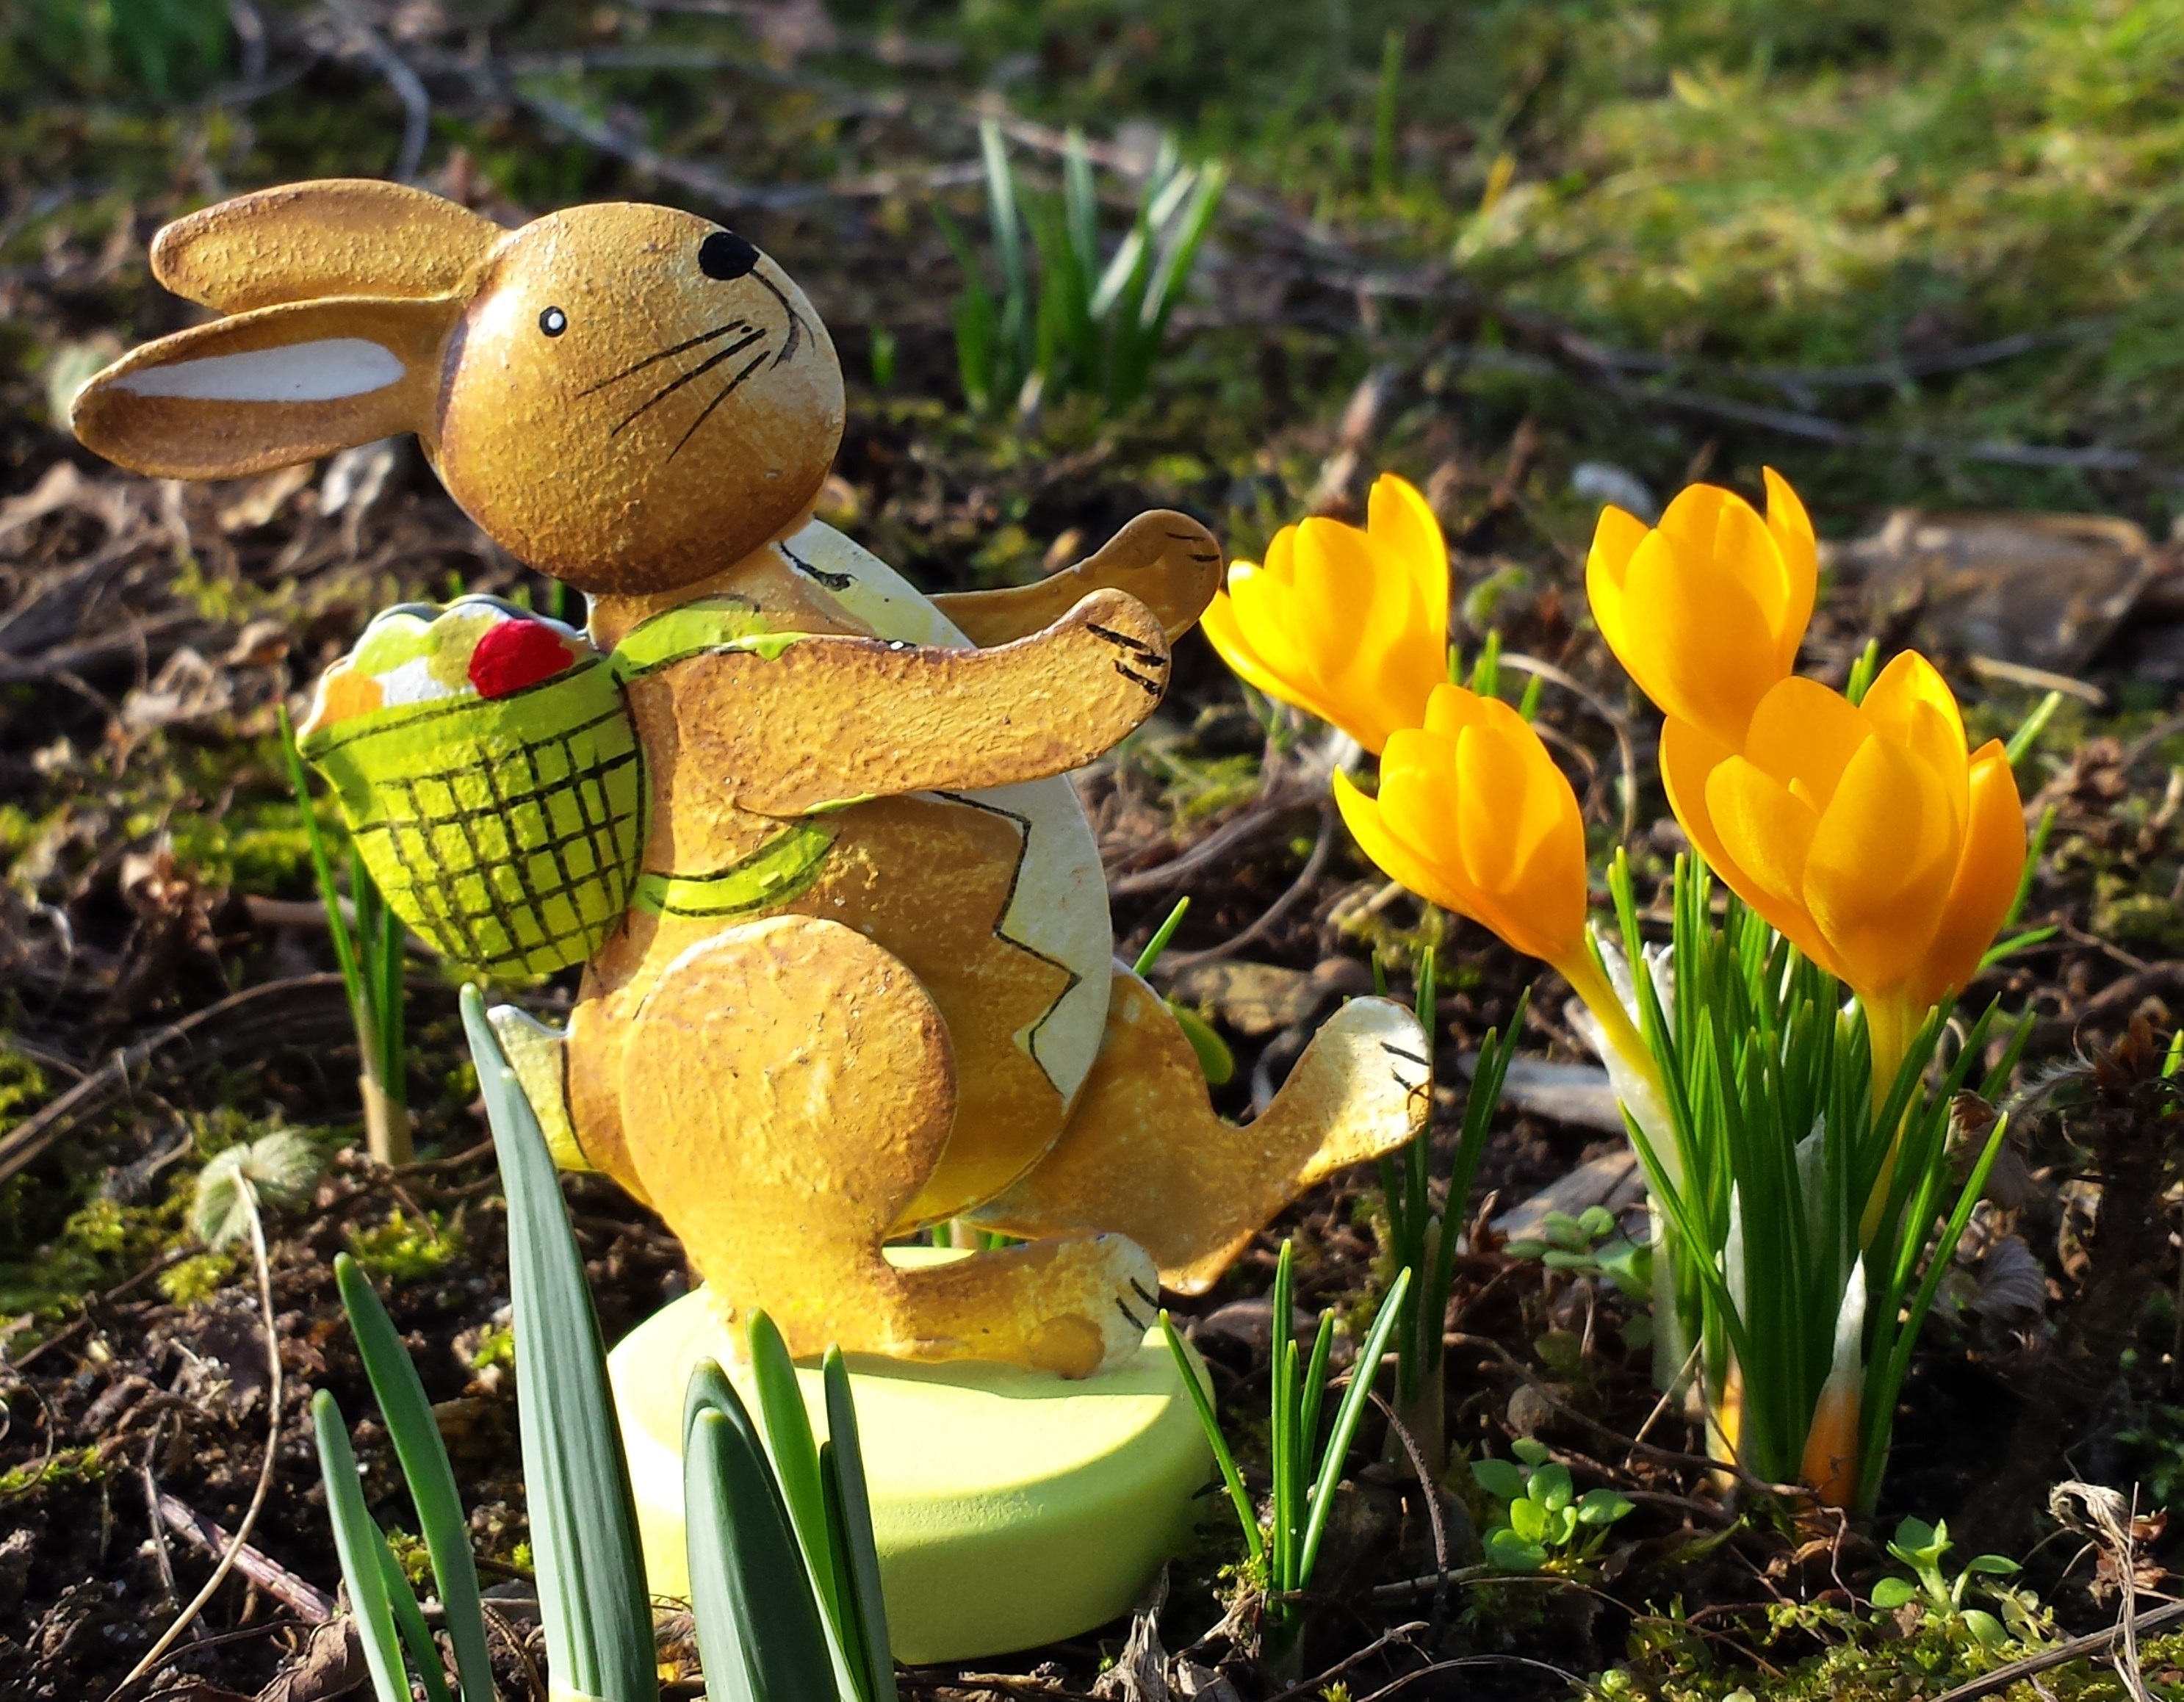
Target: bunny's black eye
[725,255]
[552,321]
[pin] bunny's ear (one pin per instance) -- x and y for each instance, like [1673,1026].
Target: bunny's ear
[269,388]
[343,237]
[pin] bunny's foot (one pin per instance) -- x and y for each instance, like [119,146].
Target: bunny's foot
[1144,1154]
[786,1087]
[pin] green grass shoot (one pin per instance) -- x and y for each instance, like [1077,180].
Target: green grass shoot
[370,958]
[1064,318]
[1305,1472]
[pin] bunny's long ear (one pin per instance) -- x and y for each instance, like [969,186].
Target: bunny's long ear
[340,236]
[269,388]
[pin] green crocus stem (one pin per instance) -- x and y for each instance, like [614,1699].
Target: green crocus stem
[1591,985]
[1889,1024]
[1672,1344]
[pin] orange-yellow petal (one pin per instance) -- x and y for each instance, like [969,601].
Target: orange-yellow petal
[1615,535]
[1799,548]
[1424,875]
[1695,638]
[1766,833]
[1399,521]
[1804,735]
[1521,838]
[1985,883]
[1879,864]
[1230,623]
[1689,754]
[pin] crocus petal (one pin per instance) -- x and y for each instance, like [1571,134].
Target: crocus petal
[1694,513]
[1452,707]
[1689,754]
[1695,639]
[1359,618]
[1879,866]
[1396,859]
[1766,833]
[1615,537]
[1420,800]
[1399,521]
[1908,682]
[1520,836]
[1985,884]
[1800,551]
[1804,735]
[1743,545]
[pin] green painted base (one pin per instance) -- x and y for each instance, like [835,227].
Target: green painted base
[1011,1508]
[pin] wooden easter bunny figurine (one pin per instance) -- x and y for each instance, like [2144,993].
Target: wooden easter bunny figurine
[849,961]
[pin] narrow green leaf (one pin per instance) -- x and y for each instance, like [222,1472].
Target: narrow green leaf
[416,1434]
[1224,1456]
[1282,1459]
[1314,1393]
[1162,935]
[795,1452]
[592,1595]
[2029,729]
[1861,672]
[409,1620]
[758,1630]
[855,1544]
[1216,1062]
[2034,851]
[1362,1373]
[849,1631]
[355,1539]
[322,870]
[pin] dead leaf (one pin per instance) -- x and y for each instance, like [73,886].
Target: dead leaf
[331,1666]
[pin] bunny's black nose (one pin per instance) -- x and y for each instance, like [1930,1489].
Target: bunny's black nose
[725,255]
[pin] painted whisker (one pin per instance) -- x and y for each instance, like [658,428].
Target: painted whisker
[698,371]
[689,342]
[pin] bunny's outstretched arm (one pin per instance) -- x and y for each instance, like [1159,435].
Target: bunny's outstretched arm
[1167,560]
[832,719]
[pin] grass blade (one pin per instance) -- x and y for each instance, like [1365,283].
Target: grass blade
[1281,1429]
[416,1434]
[1224,1456]
[795,1454]
[592,1593]
[844,1462]
[759,1630]
[409,1620]
[1162,935]
[355,1536]
[1363,1371]
[322,870]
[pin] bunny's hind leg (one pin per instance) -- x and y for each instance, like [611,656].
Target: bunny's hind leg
[787,1086]
[1145,1153]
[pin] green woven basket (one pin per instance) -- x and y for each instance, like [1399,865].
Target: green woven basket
[505,831]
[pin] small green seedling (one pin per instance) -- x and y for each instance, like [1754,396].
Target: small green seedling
[1215,1059]
[1540,1520]
[368,950]
[1591,1244]
[1920,1546]
[1306,1472]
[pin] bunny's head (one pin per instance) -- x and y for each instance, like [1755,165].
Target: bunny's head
[629,397]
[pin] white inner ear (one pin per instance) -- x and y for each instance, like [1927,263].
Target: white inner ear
[322,371]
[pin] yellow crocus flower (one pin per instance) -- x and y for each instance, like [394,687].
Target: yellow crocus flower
[1865,834]
[1473,815]
[1707,609]
[1349,626]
